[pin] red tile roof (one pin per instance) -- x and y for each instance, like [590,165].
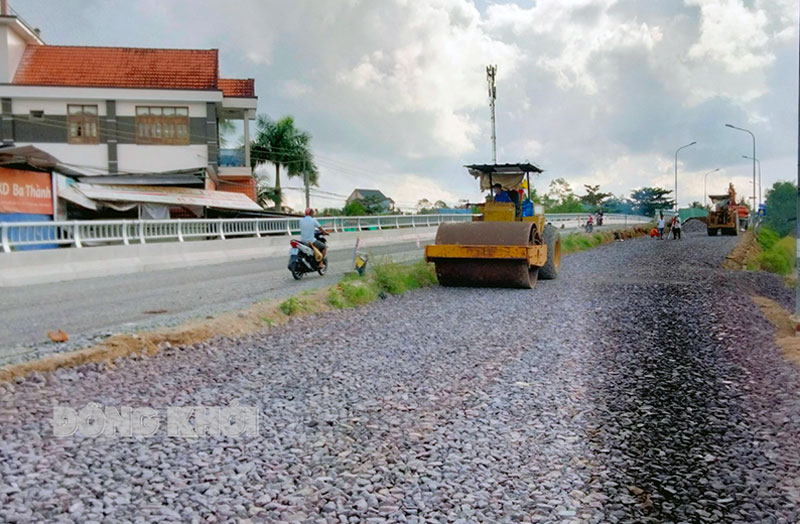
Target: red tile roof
[237,87]
[118,67]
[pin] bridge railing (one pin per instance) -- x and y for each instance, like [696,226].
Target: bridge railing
[84,233]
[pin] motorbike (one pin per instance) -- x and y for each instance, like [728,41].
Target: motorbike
[589,227]
[302,259]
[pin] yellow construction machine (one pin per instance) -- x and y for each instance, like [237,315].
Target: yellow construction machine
[507,245]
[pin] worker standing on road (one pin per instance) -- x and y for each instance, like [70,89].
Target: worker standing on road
[660,226]
[676,227]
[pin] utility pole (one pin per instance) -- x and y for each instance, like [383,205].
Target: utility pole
[755,203]
[676,173]
[491,73]
[305,182]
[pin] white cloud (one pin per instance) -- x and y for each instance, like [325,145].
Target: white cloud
[435,70]
[732,35]
[577,42]
[294,88]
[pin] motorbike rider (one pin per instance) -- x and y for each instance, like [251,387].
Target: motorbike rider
[309,226]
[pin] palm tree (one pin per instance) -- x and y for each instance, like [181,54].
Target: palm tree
[282,144]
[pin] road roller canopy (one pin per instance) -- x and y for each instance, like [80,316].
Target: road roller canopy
[510,176]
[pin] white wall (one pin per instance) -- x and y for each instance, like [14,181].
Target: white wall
[174,96]
[144,158]
[16,47]
[91,157]
[23,106]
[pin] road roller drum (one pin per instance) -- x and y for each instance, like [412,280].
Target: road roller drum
[491,254]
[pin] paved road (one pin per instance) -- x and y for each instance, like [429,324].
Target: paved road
[92,307]
[643,386]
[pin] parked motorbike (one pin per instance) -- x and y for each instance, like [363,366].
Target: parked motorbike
[302,259]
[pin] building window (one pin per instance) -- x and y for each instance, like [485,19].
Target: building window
[36,114]
[162,125]
[81,124]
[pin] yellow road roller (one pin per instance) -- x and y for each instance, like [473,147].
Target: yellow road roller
[507,245]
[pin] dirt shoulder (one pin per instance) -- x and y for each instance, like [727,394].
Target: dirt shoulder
[785,327]
[745,250]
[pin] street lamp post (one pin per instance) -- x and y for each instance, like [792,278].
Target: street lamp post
[759,176]
[753,157]
[705,178]
[676,173]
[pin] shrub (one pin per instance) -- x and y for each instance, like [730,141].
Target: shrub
[767,238]
[335,298]
[780,257]
[357,292]
[420,274]
[291,305]
[389,278]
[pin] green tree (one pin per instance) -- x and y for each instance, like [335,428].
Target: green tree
[331,212]
[618,204]
[559,190]
[354,209]
[647,199]
[561,199]
[265,192]
[568,204]
[594,198]
[373,205]
[282,144]
[440,204]
[698,205]
[781,203]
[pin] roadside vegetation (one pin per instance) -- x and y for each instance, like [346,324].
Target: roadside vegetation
[386,278]
[573,242]
[776,254]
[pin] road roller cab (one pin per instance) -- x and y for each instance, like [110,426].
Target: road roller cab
[506,245]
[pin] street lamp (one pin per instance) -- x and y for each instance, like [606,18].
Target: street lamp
[759,175]
[753,157]
[676,173]
[705,178]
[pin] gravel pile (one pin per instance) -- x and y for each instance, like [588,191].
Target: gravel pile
[629,390]
[694,225]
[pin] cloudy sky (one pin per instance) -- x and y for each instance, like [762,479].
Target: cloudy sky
[394,91]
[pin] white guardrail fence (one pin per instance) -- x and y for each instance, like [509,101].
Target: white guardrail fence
[85,233]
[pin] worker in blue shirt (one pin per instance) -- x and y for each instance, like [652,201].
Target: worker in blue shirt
[499,194]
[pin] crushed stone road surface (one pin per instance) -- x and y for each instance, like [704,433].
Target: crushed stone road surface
[641,386]
[91,309]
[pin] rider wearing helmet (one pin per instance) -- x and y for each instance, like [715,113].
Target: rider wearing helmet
[309,226]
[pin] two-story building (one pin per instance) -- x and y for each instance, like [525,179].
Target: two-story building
[122,110]
[374,196]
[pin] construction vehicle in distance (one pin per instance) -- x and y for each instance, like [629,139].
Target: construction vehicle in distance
[726,215]
[507,245]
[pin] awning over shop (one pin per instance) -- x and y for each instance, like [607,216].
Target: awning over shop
[34,157]
[181,177]
[76,197]
[178,196]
